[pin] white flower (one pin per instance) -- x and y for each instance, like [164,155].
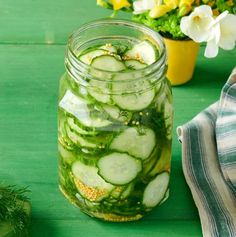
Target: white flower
[223,34]
[142,6]
[214,37]
[201,26]
[198,24]
[228,32]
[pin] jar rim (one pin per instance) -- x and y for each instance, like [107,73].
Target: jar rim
[145,72]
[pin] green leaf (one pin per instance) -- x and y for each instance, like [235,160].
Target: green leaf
[14,208]
[167,25]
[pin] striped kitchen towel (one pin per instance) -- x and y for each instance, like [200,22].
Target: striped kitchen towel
[226,132]
[209,162]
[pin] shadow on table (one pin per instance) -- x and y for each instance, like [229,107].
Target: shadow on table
[208,77]
[41,227]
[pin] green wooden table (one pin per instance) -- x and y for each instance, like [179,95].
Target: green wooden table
[33,35]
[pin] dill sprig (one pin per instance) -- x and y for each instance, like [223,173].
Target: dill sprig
[121,49]
[13,208]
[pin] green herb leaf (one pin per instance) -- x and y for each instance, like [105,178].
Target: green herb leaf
[13,208]
[167,25]
[121,49]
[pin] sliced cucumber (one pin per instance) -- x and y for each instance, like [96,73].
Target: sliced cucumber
[90,193]
[134,64]
[89,176]
[89,144]
[108,63]
[67,155]
[133,101]
[129,188]
[121,192]
[90,185]
[135,143]
[89,56]
[117,114]
[99,90]
[156,190]
[78,140]
[144,51]
[168,111]
[163,163]
[151,162]
[93,206]
[109,47]
[76,128]
[80,108]
[119,168]
[167,194]
[116,192]
[62,136]
[113,111]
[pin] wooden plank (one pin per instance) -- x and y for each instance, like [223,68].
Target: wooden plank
[91,227]
[45,22]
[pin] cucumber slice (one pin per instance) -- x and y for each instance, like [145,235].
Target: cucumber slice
[89,176]
[93,206]
[89,184]
[99,90]
[167,194]
[127,191]
[76,128]
[119,168]
[67,155]
[134,64]
[117,114]
[156,190]
[113,111]
[121,192]
[62,136]
[168,111]
[133,101]
[117,191]
[110,48]
[80,108]
[93,143]
[164,162]
[89,56]
[143,51]
[108,63]
[151,162]
[135,143]
[78,140]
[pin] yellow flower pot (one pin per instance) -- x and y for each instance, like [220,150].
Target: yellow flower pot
[182,56]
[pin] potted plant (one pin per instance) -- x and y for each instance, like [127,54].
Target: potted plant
[184,24]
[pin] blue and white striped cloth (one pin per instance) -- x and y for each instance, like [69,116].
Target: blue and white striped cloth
[209,162]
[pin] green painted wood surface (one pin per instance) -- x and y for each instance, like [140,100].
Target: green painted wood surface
[32,43]
[45,22]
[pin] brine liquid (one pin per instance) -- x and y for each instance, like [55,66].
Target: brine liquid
[79,140]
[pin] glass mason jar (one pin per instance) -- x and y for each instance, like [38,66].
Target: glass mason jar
[115,126]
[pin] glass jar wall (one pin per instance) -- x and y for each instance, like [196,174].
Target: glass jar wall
[115,121]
